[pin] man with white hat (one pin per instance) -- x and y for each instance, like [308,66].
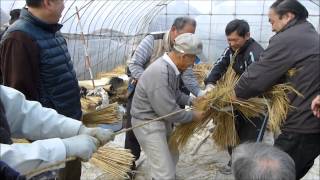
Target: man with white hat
[158,94]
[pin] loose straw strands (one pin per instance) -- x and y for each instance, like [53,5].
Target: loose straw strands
[200,71]
[107,115]
[115,161]
[182,133]
[278,105]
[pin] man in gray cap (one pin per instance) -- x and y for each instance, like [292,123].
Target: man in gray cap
[158,94]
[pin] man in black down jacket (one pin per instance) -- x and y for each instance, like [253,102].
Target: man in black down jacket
[295,45]
[248,51]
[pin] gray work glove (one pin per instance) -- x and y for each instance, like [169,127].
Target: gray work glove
[81,146]
[103,135]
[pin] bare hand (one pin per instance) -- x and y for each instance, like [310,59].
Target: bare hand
[198,115]
[315,106]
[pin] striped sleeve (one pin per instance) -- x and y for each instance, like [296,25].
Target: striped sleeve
[190,81]
[141,57]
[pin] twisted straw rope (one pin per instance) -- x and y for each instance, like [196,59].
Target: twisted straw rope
[59,163]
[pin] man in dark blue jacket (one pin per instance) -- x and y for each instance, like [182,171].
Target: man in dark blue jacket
[34,59]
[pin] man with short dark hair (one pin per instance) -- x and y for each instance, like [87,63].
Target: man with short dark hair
[242,51]
[296,46]
[253,161]
[14,15]
[248,51]
[34,59]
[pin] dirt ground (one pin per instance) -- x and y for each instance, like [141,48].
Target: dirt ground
[196,162]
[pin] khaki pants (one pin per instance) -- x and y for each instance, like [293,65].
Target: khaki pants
[153,139]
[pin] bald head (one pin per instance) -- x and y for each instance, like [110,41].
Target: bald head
[260,161]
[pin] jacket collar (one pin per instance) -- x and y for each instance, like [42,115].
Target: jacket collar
[290,24]
[26,15]
[170,62]
[244,47]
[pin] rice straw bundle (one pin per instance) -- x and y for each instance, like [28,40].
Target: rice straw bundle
[275,102]
[223,96]
[106,115]
[115,161]
[201,71]
[183,132]
[278,105]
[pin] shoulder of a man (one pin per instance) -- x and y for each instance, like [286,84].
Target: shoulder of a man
[149,38]
[290,35]
[156,73]
[255,48]
[19,36]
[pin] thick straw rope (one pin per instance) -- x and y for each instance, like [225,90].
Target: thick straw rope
[59,163]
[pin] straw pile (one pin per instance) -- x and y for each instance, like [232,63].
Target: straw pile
[107,115]
[89,103]
[201,71]
[115,161]
[23,141]
[120,70]
[120,94]
[221,105]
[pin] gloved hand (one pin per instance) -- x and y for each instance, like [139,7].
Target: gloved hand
[81,146]
[201,93]
[209,87]
[103,135]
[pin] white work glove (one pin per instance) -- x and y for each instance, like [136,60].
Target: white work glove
[209,87]
[81,146]
[201,93]
[103,135]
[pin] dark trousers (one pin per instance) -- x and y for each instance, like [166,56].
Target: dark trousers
[72,171]
[7,173]
[246,130]
[131,141]
[303,149]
